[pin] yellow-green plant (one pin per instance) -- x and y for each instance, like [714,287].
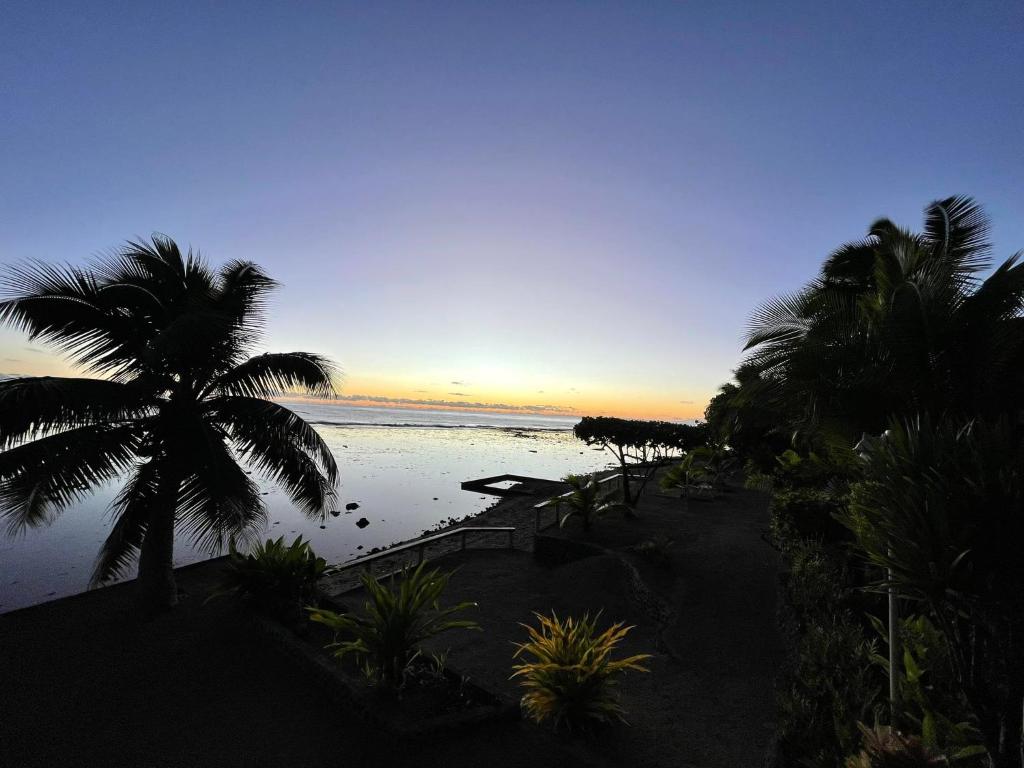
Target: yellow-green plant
[395,620]
[569,673]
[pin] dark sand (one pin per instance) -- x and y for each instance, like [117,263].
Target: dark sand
[84,683]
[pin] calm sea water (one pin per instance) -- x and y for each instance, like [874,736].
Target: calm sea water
[403,467]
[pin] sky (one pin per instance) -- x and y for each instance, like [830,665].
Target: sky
[557,206]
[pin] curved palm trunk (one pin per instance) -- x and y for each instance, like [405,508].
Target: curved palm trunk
[157,587]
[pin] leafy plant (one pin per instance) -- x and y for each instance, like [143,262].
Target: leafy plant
[396,618]
[928,692]
[278,578]
[571,676]
[939,515]
[586,500]
[831,681]
[883,747]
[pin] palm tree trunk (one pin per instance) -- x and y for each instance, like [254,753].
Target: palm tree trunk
[157,588]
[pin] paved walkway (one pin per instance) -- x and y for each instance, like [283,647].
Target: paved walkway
[709,699]
[87,684]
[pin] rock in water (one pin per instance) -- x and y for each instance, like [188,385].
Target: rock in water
[362,522]
[351,505]
[335,512]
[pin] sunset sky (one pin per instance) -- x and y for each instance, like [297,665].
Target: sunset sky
[564,207]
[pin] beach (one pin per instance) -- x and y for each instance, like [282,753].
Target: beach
[401,466]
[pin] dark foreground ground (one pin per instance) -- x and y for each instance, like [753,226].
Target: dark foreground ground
[84,682]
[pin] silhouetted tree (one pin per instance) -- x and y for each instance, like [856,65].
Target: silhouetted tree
[638,444]
[896,324]
[179,403]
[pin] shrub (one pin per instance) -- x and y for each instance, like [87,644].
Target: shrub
[572,675]
[277,578]
[586,500]
[832,681]
[884,747]
[657,551]
[396,618]
[931,703]
[809,513]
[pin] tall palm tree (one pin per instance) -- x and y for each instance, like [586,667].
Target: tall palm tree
[177,404]
[898,323]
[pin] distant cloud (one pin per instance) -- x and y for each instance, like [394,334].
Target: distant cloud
[35,351]
[458,394]
[460,383]
[407,402]
[11,360]
[540,391]
[686,402]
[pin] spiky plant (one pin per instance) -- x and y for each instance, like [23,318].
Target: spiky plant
[396,618]
[177,404]
[278,578]
[569,673]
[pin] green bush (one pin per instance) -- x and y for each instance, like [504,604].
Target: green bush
[807,513]
[586,501]
[931,702]
[884,747]
[396,618]
[832,681]
[278,579]
[571,675]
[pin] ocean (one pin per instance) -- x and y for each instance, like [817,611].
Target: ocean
[401,466]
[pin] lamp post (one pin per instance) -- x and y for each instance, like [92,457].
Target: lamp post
[861,449]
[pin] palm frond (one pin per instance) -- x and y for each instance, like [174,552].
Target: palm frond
[131,511]
[218,502]
[274,374]
[247,419]
[40,479]
[277,457]
[242,288]
[958,229]
[36,406]
[64,306]
[782,318]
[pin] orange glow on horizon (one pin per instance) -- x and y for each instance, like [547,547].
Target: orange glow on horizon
[545,398]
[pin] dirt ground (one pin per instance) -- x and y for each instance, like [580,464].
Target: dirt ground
[84,682]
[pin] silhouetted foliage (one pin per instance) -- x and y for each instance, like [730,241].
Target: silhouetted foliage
[636,444]
[899,330]
[896,324]
[180,402]
[277,578]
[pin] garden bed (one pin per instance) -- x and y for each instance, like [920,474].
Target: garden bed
[432,701]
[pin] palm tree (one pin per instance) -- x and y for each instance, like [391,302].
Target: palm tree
[177,404]
[898,323]
[586,500]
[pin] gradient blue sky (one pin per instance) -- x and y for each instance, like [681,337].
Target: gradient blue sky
[563,204]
